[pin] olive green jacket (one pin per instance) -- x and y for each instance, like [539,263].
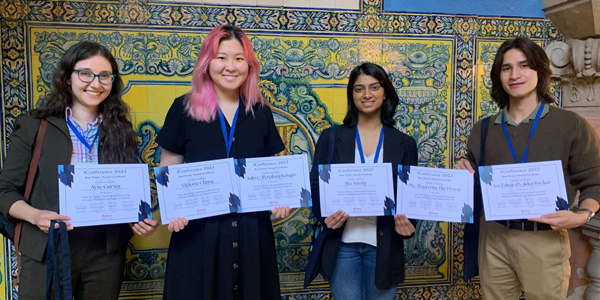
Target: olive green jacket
[56,150]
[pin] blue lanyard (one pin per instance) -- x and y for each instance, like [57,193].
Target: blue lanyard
[228,140]
[360,150]
[533,128]
[80,137]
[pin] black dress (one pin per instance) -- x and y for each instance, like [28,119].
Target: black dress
[229,256]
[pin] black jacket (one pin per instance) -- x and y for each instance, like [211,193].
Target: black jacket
[398,149]
[56,150]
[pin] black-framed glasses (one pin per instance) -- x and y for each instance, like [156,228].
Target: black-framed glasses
[88,76]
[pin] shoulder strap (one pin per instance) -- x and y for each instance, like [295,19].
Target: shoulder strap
[485,124]
[331,145]
[35,158]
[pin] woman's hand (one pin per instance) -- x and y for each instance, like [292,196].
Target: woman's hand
[336,220]
[281,212]
[42,219]
[145,228]
[178,224]
[403,225]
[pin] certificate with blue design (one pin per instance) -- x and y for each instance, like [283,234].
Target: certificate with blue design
[104,194]
[361,190]
[268,182]
[197,190]
[522,191]
[435,194]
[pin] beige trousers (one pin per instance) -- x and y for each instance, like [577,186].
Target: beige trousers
[511,260]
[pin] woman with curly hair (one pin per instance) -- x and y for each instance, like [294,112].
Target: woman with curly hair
[88,122]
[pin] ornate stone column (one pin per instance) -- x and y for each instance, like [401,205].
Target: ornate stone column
[576,63]
[592,229]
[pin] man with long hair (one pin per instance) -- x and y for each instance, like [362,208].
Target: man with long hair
[532,254]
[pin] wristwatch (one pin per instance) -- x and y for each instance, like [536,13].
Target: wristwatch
[591,214]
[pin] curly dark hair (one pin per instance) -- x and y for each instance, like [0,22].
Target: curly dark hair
[120,145]
[536,59]
[388,108]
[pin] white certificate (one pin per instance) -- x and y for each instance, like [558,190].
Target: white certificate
[268,182]
[358,189]
[92,194]
[197,190]
[521,191]
[435,194]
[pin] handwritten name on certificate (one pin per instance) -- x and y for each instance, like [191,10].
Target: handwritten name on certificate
[197,190]
[104,194]
[268,182]
[521,191]
[358,189]
[435,194]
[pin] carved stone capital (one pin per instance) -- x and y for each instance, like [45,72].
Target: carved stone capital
[577,19]
[576,64]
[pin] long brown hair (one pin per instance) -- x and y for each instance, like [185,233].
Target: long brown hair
[120,145]
[537,61]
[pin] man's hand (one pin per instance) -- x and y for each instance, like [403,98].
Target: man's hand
[562,219]
[464,164]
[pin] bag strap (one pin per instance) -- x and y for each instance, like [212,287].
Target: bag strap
[485,124]
[331,145]
[35,158]
[55,238]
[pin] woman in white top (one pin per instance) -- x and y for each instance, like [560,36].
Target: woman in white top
[363,257]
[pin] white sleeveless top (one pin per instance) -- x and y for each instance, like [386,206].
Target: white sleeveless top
[362,229]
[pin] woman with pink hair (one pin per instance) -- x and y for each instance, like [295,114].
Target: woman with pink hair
[228,256]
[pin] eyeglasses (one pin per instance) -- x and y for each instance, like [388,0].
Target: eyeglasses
[88,76]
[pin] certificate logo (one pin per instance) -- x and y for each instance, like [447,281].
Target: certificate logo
[305,198]
[66,174]
[389,208]
[325,173]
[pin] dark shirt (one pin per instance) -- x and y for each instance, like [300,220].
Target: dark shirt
[229,256]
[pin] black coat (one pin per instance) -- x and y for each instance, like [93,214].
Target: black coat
[398,149]
[56,150]
[229,256]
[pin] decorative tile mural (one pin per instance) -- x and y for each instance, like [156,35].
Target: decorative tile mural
[439,65]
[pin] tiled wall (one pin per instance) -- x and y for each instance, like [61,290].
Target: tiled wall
[305,53]
[318,4]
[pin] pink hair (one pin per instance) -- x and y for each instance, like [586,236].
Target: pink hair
[201,102]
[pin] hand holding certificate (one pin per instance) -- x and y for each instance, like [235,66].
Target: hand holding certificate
[197,190]
[522,191]
[357,189]
[435,194]
[104,194]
